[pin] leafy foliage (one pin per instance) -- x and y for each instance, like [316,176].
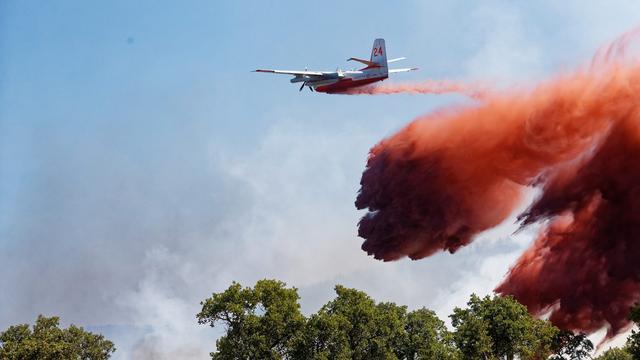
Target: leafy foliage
[500,327]
[633,342]
[262,322]
[571,346]
[47,341]
[353,326]
[615,354]
[265,322]
[427,337]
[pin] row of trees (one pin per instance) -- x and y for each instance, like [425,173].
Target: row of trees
[265,322]
[47,341]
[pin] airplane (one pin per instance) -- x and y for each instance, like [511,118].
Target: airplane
[338,81]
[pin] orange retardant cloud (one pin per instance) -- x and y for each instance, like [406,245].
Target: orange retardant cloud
[425,87]
[452,174]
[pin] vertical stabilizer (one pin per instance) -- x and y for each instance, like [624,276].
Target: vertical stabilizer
[379,57]
[379,53]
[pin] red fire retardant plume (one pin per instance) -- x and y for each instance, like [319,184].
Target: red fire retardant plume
[425,87]
[452,174]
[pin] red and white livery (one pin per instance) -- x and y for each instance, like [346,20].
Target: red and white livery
[376,69]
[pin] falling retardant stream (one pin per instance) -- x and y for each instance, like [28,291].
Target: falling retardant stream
[425,87]
[454,173]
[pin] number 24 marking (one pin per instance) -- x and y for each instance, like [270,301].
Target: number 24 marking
[377,51]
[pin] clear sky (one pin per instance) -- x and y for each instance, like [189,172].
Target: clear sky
[143,166]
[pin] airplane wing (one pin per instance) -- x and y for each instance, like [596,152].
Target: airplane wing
[290,72]
[391,71]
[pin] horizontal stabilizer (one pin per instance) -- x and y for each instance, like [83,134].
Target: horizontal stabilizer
[366,62]
[396,59]
[391,71]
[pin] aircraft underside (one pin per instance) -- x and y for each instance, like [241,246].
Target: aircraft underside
[344,84]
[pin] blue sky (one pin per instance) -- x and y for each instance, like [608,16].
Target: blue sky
[143,166]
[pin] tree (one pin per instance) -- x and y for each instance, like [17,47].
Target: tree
[472,336]
[633,342]
[570,346]
[500,328]
[262,322]
[427,337]
[47,341]
[353,326]
[615,354]
[265,322]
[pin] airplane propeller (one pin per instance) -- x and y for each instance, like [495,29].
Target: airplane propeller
[305,84]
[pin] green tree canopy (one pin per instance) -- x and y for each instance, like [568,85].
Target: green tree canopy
[48,341]
[427,337]
[261,322]
[633,342]
[265,322]
[500,328]
[570,346]
[615,354]
[353,326]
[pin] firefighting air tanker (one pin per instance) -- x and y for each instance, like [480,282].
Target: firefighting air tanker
[376,69]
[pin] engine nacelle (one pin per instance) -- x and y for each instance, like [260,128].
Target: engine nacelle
[299,78]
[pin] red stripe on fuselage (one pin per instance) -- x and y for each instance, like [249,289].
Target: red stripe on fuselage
[345,84]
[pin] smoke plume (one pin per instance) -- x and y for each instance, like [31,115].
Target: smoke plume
[454,173]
